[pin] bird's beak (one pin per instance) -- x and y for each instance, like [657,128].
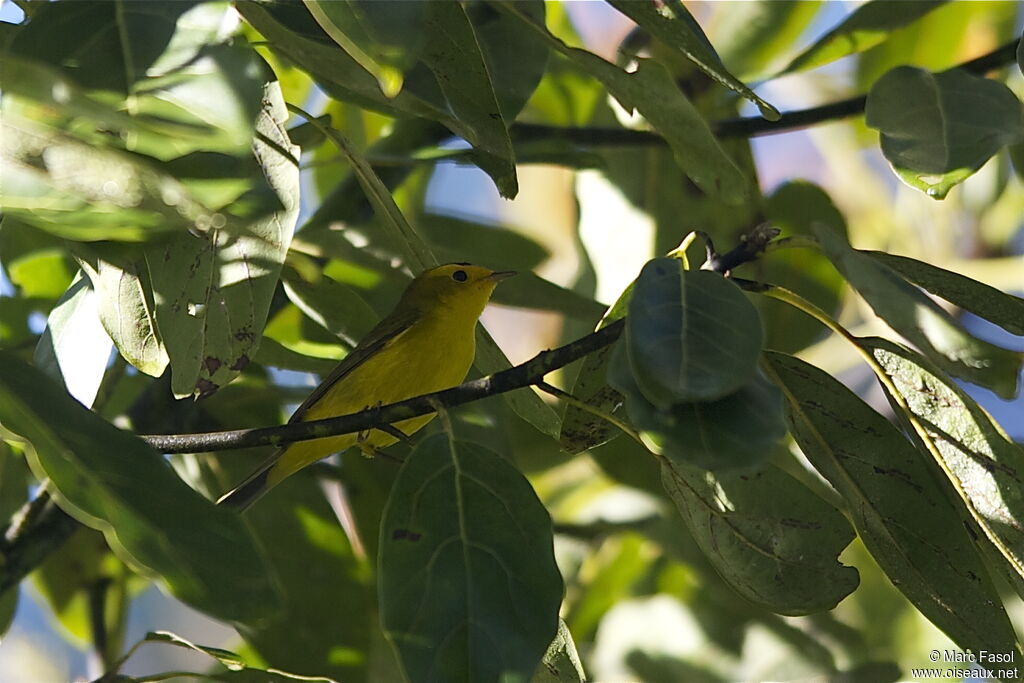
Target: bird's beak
[500,275]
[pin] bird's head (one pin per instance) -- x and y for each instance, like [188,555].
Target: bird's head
[460,287]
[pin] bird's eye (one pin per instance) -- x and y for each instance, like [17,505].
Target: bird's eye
[460,276]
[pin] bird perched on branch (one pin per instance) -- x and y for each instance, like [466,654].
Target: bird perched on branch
[427,343]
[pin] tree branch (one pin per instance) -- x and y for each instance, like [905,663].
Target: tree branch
[740,127]
[523,375]
[40,527]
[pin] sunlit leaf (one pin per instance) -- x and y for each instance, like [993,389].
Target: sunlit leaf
[561,663]
[651,91]
[683,33]
[974,453]
[922,321]
[862,29]
[460,512]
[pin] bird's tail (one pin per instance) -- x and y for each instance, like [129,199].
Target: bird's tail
[252,489]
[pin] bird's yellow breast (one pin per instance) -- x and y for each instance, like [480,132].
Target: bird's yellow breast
[434,353]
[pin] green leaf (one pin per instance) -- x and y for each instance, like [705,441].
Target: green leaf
[225,657]
[1020,55]
[867,26]
[684,34]
[68,576]
[452,52]
[751,36]
[457,239]
[974,453]
[690,335]
[112,481]
[582,429]
[201,299]
[904,519]
[561,663]
[528,290]
[652,91]
[923,322]
[795,207]
[384,46]
[336,307]
[984,301]
[773,540]
[738,430]
[460,512]
[80,191]
[932,129]
[102,46]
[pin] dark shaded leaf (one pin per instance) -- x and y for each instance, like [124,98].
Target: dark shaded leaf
[923,322]
[460,512]
[651,91]
[984,301]
[690,335]
[738,430]
[684,34]
[773,540]
[112,481]
[933,130]
[903,517]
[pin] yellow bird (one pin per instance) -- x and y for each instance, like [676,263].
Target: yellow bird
[427,343]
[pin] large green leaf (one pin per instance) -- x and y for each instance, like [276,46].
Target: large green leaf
[904,518]
[773,540]
[201,299]
[652,91]
[690,335]
[329,614]
[984,301]
[977,457]
[112,481]
[932,129]
[100,45]
[469,588]
[922,321]
[683,33]
[862,29]
[737,430]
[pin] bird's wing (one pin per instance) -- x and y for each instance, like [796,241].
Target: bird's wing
[383,333]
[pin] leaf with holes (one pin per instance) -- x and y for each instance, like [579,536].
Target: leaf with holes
[469,589]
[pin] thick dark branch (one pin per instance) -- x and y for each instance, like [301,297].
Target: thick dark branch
[741,127]
[530,372]
[40,528]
